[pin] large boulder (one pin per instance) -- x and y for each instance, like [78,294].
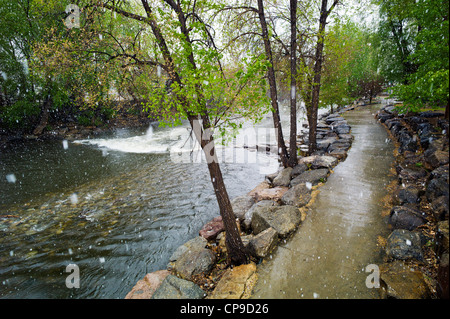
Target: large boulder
[403,217]
[316,162]
[439,183]
[440,208]
[399,281]
[404,244]
[407,142]
[408,195]
[314,177]
[263,243]
[284,219]
[299,169]
[212,229]
[298,195]
[197,243]
[342,129]
[339,145]
[249,214]
[194,263]
[241,205]
[264,192]
[192,258]
[236,283]
[435,155]
[176,288]
[442,278]
[283,178]
[145,288]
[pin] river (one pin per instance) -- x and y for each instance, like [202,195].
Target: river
[116,206]
[329,254]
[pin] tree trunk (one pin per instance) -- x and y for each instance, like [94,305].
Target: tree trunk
[318,74]
[293,133]
[43,118]
[282,150]
[236,250]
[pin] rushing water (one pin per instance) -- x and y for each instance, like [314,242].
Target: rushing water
[116,207]
[329,254]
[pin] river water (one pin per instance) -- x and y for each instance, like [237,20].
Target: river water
[328,255]
[115,206]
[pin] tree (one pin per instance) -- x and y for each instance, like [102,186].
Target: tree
[293,100]
[420,30]
[313,112]
[273,86]
[203,95]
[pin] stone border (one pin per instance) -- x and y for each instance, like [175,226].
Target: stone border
[416,264]
[266,215]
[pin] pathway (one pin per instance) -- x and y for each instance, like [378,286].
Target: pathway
[329,253]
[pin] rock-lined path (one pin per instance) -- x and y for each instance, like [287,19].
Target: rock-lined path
[329,253]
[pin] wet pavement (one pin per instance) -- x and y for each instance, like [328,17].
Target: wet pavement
[328,255]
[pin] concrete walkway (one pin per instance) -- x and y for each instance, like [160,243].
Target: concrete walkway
[328,255]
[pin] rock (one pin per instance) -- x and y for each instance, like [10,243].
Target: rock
[407,142]
[404,244]
[241,205]
[407,175]
[334,119]
[269,178]
[317,161]
[194,263]
[145,288]
[284,219]
[297,170]
[384,116]
[249,213]
[274,194]
[435,156]
[283,178]
[408,195]
[342,129]
[438,185]
[176,288]
[346,138]
[339,145]
[339,154]
[263,243]
[236,283]
[197,243]
[262,186]
[212,229]
[314,177]
[400,282]
[440,208]
[442,288]
[324,162]
[299,195]
[442,237]
[402,217]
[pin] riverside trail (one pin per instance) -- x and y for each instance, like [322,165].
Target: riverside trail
[328,255]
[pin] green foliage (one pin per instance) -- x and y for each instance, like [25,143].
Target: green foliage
[422,76]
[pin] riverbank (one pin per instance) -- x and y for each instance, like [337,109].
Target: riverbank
[417,249]
[70,128]
[267,216]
